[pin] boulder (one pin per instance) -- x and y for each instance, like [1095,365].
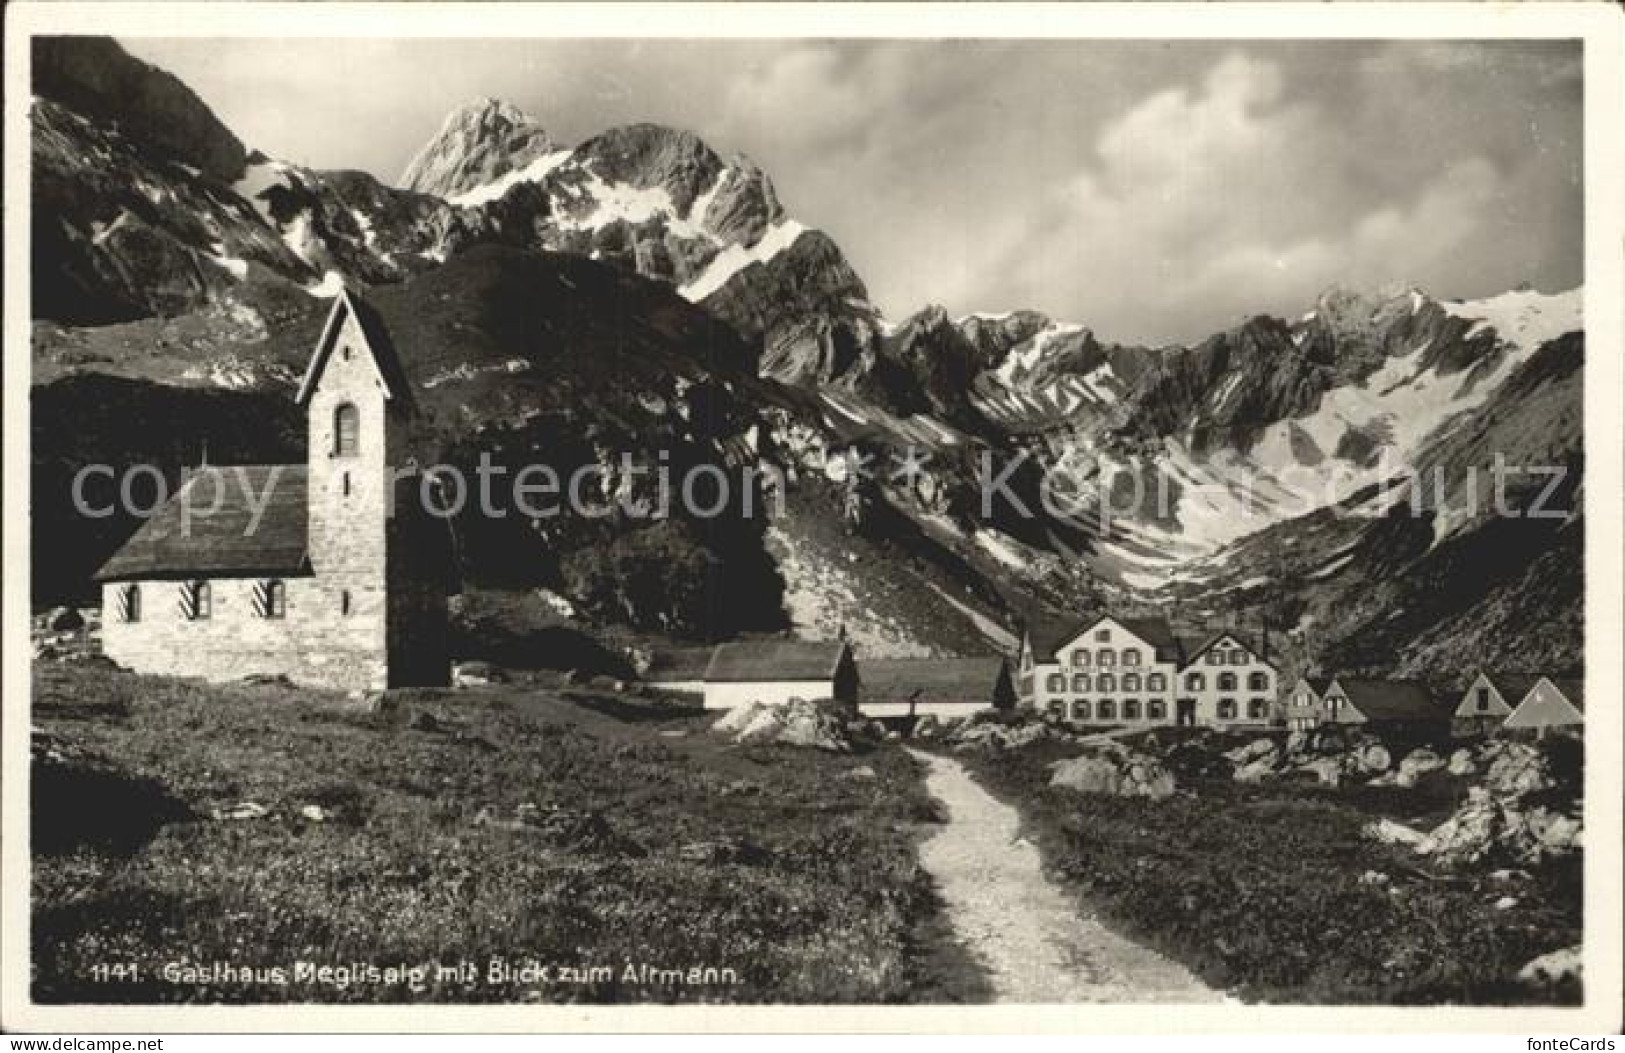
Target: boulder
[1490,827]
[1417,763]
[1518,768]
[1371,757]
[1461,762]
[1557,967]
[795,723]
[1257,770]
[927,727]
[64,619]
[1328,771]
[1391,833]
[1254,750]
[862,773]
[1119,774]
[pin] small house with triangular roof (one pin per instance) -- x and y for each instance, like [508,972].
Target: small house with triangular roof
[1488,701]
[333,573]
[1551,705]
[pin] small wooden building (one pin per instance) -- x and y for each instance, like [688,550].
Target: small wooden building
[1396,705]
[1305,704]
[775,671]
[942,687]
[1488,701]
[1551,705]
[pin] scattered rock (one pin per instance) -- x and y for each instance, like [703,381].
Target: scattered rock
[1506,903]
[314,813]
[1257,770]
[1373,757]
[1254,750]
[1391,833]
[245,810]
[795,723]
[862,773]
[64,619]
[1119,774]
[1374,877]
[1417,763]
[1461,762]
[1554,968]
[1487,826]
[477,674]
[1517,768]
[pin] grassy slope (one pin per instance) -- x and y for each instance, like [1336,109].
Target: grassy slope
[1257,888]
[827,902]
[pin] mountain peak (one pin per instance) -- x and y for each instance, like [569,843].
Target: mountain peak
[478,143]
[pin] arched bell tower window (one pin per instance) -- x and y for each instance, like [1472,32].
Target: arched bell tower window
[346,430]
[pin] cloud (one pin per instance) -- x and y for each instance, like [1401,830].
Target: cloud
[1204,205]
[1153,190]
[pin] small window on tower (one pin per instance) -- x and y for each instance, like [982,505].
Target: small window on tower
[346,430]
[344,602]
[346,484]
[129,603]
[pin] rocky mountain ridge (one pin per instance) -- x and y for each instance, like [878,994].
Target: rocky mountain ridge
[185,264]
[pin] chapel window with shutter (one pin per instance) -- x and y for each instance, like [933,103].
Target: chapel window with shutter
[270,599]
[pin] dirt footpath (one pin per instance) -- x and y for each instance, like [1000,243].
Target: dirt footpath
[1030,934]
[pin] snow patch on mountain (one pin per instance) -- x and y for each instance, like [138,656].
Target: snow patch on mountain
[1525,317]
[534,172]
[735,258]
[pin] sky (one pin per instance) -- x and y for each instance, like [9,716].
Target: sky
[1153,191]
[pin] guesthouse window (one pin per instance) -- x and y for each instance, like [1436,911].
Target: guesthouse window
[1131,709]
[1056,709]
[1215,658]
[1227,709]
[1131,657]
[1256,709]
[1107,710]
[1156,682]
[1056,682]
[1227,681]
[1080,682]
[1103,636]
[1105,682]
[1156,709]
[1195,682]
[195,601]
[129,603]
[1108,656]
[1258,681]
[1080,657]
[270,599]
[1131,681]
[346,430]
[1080,709]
